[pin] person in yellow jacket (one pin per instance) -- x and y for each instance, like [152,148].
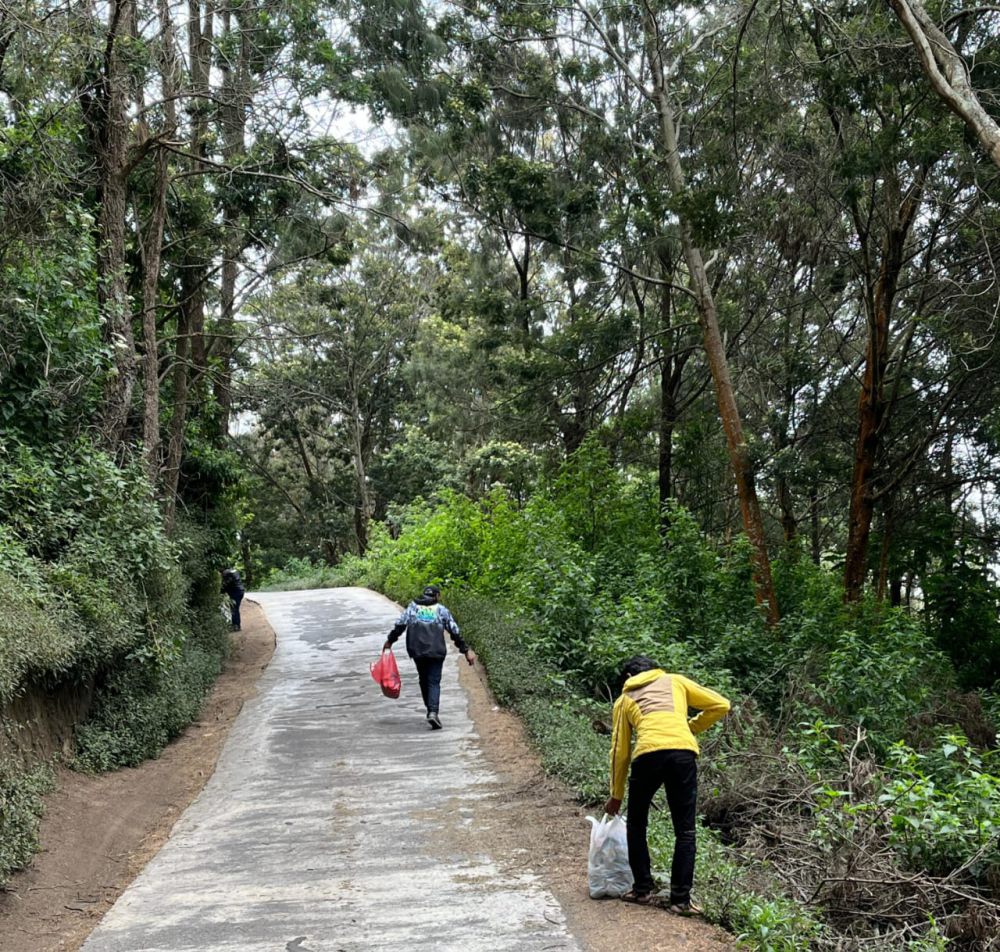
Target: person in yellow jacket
[653,707]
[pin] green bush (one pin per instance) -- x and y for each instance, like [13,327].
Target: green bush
[20,810]
[883,674]
[300,574]
[92,586]
[83,563]
[142,708]
[944,807]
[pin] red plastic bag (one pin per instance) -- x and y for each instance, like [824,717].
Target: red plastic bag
[386,674]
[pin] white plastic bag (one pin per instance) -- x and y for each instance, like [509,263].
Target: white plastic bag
[608,872]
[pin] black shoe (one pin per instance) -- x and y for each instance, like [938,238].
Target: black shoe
[434,720]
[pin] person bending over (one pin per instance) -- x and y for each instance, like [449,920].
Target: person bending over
[653,707]
[232,585]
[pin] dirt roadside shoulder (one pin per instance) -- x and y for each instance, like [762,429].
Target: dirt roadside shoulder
[99,832]
[545,830]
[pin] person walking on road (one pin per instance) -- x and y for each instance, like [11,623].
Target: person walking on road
[232,585]
[425,621]
[653,707]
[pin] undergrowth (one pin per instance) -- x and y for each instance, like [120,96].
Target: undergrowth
[845,805]
[21,793]
[94,589]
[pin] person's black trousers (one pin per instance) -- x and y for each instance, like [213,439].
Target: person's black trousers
[234,603]
[429,671]
[677,772]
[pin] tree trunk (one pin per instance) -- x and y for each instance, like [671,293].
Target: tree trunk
[672,365]
[362,508]
[106,114]
[715,350]
[814,522]
[201,43]
[181,379]
[668,419]
[872,401]
[883,560]
[896,591]
[152,249]
[189,350]
[948,74]
[789,525]
[233,111]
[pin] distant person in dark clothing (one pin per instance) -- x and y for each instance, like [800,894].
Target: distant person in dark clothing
[232,585]
[425,622]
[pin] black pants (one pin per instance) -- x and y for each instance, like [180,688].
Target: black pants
[234,604]
[429,671]
[677,771]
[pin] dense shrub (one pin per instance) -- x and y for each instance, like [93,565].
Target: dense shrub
[143,707]
[92,587]
[20,809]
[944,805]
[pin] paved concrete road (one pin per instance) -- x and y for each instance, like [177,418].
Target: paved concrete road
[335,819]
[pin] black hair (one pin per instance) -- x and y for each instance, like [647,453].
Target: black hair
[636,665]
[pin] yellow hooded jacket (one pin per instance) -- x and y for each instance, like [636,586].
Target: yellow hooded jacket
[654,705]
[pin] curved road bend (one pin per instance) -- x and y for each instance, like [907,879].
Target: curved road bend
[335,819]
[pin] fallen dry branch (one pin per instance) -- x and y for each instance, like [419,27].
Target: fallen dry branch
[829,845]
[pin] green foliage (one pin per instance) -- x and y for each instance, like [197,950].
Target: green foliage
[554,592]
[301,574]
[964,602]
[143,707]
[52,358]
[944,805]
[883,674]
[20,809]
[85,567]
[92,587]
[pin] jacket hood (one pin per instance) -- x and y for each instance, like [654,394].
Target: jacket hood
[424,600]
[643,678]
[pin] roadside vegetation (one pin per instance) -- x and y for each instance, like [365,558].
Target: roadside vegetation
[844,802]
[96,594]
